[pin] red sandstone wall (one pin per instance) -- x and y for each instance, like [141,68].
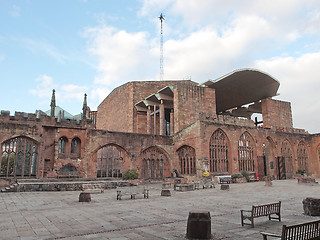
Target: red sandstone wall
[276,114]
[115,112]
[189,102]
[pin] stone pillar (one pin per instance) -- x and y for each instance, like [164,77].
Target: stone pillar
[199,225]
[162,118]
[149,126]
[171,122]
[154,120]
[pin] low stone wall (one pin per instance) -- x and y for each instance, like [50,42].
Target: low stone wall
[65,186]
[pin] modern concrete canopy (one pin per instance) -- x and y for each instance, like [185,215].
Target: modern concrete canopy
[242,87]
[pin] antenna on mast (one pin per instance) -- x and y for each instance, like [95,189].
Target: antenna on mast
[161,18]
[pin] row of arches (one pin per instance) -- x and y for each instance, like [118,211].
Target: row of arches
[111,160]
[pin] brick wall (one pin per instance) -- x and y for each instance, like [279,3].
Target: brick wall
[276,114]
[117,112]
[189,102]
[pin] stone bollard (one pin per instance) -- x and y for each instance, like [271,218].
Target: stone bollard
[199,225]
[165,193]
[224,187]
[267,181]
[84,197]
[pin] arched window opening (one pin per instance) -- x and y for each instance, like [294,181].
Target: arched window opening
[245,153]
[155,164]
[110,161]
[187,160]
[75,147]
[19,157]
[302,155]
[287,155]
[62,145]
[219,152]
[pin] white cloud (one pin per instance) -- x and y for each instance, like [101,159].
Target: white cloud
[44,87]
[65,93]
[96,96]
[71,91]
[122,55]
[299,84]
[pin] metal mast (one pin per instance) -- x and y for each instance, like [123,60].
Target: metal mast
[161,48]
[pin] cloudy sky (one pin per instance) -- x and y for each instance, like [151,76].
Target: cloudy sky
[93,46]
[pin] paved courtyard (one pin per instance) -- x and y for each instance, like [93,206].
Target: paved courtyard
[59,215]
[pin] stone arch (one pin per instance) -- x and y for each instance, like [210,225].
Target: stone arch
[68,169]
[154,163]
[187,160]
[302,156]
[110,161]
[219,152]
[19,157]
[245,153]
[75,147]
[287,157]
[62,146]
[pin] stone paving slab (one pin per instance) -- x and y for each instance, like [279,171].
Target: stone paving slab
[59,215]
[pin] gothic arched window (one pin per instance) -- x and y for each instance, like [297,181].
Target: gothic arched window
[187,160]
[302,155]
[245,153]
[219,152]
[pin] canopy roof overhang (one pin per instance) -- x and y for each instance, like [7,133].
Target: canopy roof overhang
[242,87]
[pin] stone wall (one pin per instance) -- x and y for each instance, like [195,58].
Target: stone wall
[276,114]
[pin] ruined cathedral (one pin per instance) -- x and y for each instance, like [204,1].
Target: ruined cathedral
[155,127]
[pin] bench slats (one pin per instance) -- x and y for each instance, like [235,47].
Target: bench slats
[261,210]
[304,231]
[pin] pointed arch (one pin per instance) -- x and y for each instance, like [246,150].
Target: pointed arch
[302,156]
[245,153]
[287,156]
[62,146]
[19,157]
[187,160]
[155,163]
[219,152]
[110,161]
[75,148]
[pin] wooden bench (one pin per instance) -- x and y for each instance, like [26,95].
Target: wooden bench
[260,211]
[304,231]
[92,188]
[132,192]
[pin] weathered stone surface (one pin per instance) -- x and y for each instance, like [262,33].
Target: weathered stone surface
[267,181]
[85,197]
[305,179]
[199,225]
[311,206]
[224,187]
[165,193]
[184,187]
